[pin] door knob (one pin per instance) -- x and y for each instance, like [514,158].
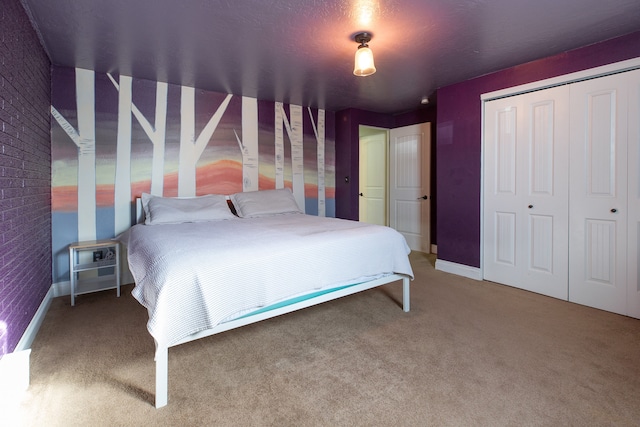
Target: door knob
[361,195]
[614,210]
[425,197]
[530,206]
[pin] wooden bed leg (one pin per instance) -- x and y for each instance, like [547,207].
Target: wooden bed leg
[405,294]
[162,376]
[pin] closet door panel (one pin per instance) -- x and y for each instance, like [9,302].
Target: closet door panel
[541,249]
[505,238]
[598,193]
[541,148]
[525,191]
[600,247]
[506,151]
[546,136]
[501,195]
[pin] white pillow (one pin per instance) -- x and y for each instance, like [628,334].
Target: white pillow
[266,202]
[176,210]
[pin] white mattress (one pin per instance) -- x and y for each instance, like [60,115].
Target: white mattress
[193,276]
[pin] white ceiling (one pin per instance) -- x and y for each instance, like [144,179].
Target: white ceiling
[301,51]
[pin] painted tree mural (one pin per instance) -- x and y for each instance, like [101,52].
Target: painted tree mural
[156,133]
[319,132]
[85,140]
[249,144]
[102,159]
[122,190]
[279,145]
[294,132]
[191,148]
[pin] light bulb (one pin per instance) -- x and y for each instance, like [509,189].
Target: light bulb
[364,65]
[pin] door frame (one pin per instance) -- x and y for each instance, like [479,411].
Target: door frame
[431,248]
[386,172]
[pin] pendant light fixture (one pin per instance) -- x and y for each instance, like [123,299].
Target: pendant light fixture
[364,65]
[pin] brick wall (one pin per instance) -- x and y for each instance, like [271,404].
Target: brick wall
[25,174]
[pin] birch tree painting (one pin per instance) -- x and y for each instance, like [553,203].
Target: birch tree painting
[319,132]
[85,140]
[156,134]
[249,144]
[122,187]
[279,145]
[122,197]
[191,148]
[294,131]
[101,158]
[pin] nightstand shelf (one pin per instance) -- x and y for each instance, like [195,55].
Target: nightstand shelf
[94,255]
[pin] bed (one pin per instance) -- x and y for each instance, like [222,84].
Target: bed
[201,269]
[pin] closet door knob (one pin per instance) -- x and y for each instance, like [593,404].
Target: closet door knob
[614,210]
[530,206]
[361,195]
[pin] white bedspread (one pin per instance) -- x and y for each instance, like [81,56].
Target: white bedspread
[192,276]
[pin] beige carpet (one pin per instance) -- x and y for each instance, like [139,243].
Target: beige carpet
[469,353]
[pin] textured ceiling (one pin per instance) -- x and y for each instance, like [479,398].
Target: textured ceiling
[301,51]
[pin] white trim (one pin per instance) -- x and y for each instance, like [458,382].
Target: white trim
[616,67]
[459,269]
[34,326]
[482,163]
[61,289]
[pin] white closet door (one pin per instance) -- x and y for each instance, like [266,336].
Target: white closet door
[526,191]
[598,193]
[633,251]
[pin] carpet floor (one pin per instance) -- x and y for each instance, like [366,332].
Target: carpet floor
[469,353]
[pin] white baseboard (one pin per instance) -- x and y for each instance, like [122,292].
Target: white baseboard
[459,269]
[61,289]
[434,249]
[31,331]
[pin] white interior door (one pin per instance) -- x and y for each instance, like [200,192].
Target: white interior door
[373,176]
[410,204]
[633,245]
[525,225]
[598,193]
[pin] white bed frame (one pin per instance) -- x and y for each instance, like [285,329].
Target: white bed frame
[162,352]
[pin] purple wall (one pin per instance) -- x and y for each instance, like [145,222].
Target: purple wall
[25,180]
[459,139]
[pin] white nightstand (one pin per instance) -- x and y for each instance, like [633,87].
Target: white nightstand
[94,255]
